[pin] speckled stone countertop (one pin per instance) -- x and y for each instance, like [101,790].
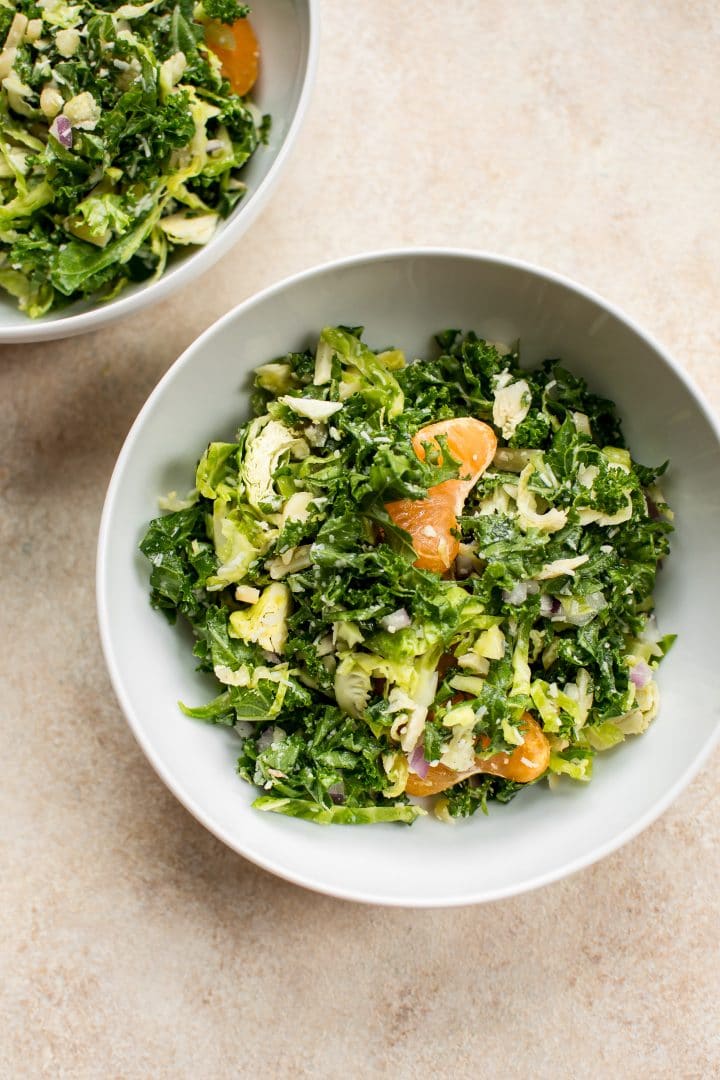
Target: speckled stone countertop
[584,137]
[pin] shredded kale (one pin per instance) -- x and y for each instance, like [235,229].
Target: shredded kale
[339,660]
[121,142]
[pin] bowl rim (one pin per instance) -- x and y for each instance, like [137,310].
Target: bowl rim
[203,258]
[260,858]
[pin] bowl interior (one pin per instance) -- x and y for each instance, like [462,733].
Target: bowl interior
[402,299]
[284,31]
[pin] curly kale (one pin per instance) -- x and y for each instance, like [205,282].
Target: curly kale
[121,141]
[331,646]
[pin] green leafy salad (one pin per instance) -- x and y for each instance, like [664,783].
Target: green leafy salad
[120,142]
[354,677]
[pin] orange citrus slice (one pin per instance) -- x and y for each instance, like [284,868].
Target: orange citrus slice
[431,521]
[527,762]
[238,51]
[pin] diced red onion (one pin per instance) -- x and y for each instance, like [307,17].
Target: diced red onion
[337,792]
[640,674]
[265,739]
[269,736]
[549,605]
[397,620]
[418,763]
[516,595]
[463,566]
[62,130]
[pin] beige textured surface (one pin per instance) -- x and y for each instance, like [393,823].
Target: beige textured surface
[581,136]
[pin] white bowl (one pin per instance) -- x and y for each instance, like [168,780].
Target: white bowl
[402,298]
[288,34]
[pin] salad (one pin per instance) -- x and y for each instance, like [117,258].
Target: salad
[123,132]
[431,579]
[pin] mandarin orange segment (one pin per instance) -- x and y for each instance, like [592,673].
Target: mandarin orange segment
[237,49]
[432,520]
[527,762]
[430,523]
[470,441]
[439,778]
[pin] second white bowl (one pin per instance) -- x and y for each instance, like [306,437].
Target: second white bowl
[403,298]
